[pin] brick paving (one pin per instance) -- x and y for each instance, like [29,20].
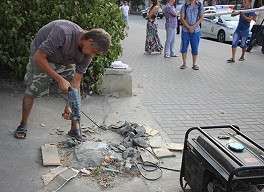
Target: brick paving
[219,93]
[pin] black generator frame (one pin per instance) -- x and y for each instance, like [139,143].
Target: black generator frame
[253,179]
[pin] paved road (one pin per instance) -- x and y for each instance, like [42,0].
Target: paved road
[219,93]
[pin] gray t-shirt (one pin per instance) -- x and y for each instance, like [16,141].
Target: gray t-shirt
[58,40]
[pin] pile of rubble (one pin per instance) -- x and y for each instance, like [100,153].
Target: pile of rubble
[113,151]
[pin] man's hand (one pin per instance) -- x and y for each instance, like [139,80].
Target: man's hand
[41,59]
[67,112]
[191,29]
[64,85]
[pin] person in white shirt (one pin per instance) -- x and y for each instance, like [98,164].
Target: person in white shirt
[259,25]
[125,11]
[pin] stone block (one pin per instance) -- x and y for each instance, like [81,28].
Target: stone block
[50,155]
[117,82]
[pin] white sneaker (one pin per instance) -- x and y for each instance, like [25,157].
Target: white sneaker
[166,56]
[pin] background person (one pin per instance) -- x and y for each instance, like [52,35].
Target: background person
[241,32]
[258,27]
[61,50]
[152,43]
[126,12]
[178,9]
[192,14]
[170,26]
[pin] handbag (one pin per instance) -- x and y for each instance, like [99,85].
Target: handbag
[256,28]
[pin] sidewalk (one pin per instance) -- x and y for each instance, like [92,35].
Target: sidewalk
[21,165]
[219,93]
[166,98]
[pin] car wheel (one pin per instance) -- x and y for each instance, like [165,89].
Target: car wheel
[221,36]
[144,15]
[161,17]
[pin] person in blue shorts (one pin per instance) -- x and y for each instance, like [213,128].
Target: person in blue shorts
[192,14]
[242,31]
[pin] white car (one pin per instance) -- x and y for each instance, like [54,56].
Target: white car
[220,27]
[219,8]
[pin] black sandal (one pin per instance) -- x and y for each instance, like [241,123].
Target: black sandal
[21,129]
[77,134]
[230,60]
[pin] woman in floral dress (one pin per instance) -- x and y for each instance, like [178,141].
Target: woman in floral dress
[153,43]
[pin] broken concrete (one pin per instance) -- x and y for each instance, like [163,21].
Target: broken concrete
[91,153]
[60,180]
[175,146]
[156,142]
[119,153]
[163,152]
[146,156]
[51,174]
[140,142]
[150,131]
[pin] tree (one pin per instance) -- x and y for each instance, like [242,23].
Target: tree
[20,21]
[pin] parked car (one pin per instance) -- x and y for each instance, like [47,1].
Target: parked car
[144,13]
[219,8]
[220,27]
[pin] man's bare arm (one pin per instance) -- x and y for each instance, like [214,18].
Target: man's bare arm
[41,59]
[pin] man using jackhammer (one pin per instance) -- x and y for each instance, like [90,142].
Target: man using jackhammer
[62,51]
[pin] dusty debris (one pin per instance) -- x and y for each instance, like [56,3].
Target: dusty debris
[104,182]
[113,152]
[85,171]
[117,125]
[50,155]
[42,125]
[53,133]
[111,170]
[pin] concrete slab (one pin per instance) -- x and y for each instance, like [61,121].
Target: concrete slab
[175,146]
[117,82]
[156,142]
[147,156]
[51,174]
[150,131]
[50,155]
[163,152]
[60,180]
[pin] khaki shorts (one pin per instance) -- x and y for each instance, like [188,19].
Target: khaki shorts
[38,82]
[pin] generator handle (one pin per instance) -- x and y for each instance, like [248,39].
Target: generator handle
[245,168]
[213,141]
[233,127]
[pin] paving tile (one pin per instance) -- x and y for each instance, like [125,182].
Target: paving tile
[212,96]
[50,155]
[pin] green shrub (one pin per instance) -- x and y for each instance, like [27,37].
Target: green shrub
[21,20]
